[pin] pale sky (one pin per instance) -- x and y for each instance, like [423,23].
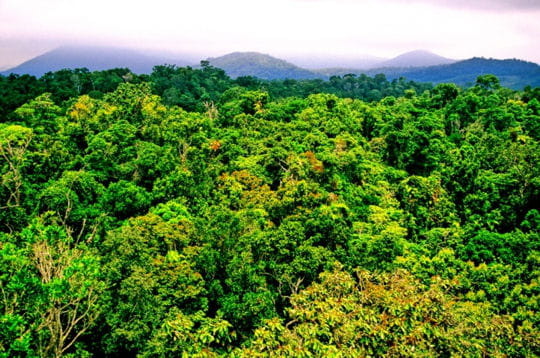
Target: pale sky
[386,28]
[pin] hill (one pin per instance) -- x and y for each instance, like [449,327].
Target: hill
[512,73]
[263,66]
[93,58]
[417,58]
[336,66]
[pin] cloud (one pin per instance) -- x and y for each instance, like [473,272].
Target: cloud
[488,5]
[455,29]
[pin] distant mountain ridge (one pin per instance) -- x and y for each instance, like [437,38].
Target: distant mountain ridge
[259,65]
[416,58]
[95,59]
[512,73]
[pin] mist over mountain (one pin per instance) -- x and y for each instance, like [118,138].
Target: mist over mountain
[95,59]
[419,65]
[408,60]
[331,64]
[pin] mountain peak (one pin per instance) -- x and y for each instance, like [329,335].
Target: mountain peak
[419,52]
[247,56]
[94,58]
[260,65]
[417,58]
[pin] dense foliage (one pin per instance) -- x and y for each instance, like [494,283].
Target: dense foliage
[192,89]
[188,214]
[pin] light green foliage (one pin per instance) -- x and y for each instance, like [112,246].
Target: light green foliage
[383,315]
[73,197]
[190,336]
[152,262]
[14,142]
[41,114]
[51,290]
[427,204]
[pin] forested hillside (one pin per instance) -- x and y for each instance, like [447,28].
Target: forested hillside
[512,73]
[260,65]
[183,213]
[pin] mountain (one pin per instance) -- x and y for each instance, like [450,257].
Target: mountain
[328,64]
[263,66]
[512,73]
[412,59]
[417,58]
[95,59]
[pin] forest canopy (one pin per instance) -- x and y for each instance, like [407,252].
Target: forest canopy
[183,213]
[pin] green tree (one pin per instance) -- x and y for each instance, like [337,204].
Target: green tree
[51,291]
[386,315]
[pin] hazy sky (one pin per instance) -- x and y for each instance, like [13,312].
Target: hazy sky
[386,28]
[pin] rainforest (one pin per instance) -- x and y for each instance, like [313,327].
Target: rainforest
[184,213]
